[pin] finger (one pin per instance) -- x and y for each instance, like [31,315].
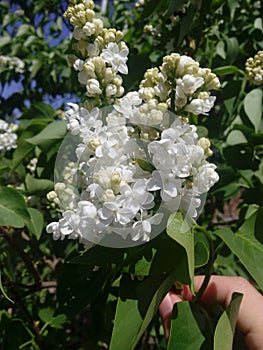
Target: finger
[250,316]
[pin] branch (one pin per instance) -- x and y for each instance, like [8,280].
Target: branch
[52,264]
[28,263]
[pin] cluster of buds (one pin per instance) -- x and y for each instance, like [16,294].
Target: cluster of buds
[7,136]
[150,29]
[254,68]
[101,53]
[14,63]
[63,193]
[140,3]
[32,165]
[181,85]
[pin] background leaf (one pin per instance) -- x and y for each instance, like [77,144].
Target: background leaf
[78,285]
[50,136]
[39,110]
[38,186]
[13,210]
[253,107]
[36,223]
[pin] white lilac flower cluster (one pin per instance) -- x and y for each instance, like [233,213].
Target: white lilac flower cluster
[14,63]
[125,169]
[8,137]
[135,162]
[180,85]
[254,68]
[101,52]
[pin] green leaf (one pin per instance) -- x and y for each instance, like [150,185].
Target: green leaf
[46,315]
[38,186]
[4,40]
[152,7]
[173,6]
[253,107]
[8,19]
[258,24]
[16,333]
[141,62]
[230,95]
[150,299]
[3,291]
[133,316]
[215,4]
[225,329]
[235,137]
[20,153]
[246,247]
[179,230]
[23,29]
[186,23]
[58,321]
[258,225]
[220,49]
[241,156]
[30,128]
[170,255]
[185,330]
[36,223]
[13,210]
[201,249]
[39,110]
[226,70]
[29,41]
[78,285]
[50,136]
[256,139]
[36,66]
[146,166]
[99,256]
[202,131]
[232,49]
[126,324]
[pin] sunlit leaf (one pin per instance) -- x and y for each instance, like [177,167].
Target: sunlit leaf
[225,329]
[49,137]
[253,107]
[236,137]
[246,247]
[179,229]
[13,210]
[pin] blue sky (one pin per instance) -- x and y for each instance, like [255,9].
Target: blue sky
[9,89]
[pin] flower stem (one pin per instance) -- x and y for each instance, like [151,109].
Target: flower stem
[210,264]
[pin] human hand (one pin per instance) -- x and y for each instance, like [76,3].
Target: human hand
[220,290]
